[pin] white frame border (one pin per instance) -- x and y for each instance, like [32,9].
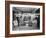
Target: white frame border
[28,31]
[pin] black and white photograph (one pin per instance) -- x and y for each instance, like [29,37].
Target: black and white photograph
[25,18]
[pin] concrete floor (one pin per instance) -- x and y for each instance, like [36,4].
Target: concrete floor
[25,28]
